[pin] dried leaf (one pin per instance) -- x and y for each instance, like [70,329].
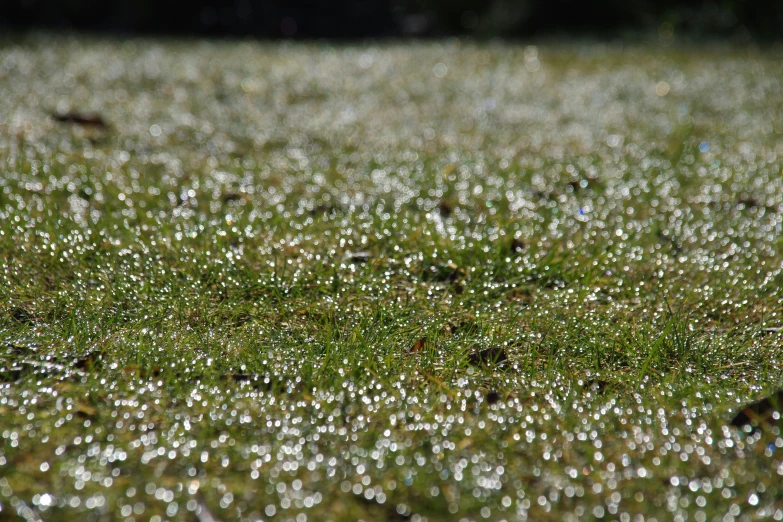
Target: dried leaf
[595,385]
[456,272]
[358,257]
[580,184]
[495,355]
[85,120]
[765,411]
[464,326]
[18,350]
[464,443]
[12,374]
[442,273]
[131,369]
[232,197]
[258,382]
[748,201]
[21,315]
[89,362]
[325,209]
[493,397]
[86,410]
[445,208]
[418,346]
[143,372]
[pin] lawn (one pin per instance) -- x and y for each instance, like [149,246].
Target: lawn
[430,281]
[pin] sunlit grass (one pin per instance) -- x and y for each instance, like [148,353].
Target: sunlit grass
[433,281]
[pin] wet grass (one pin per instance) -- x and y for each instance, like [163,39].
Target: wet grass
[440,281]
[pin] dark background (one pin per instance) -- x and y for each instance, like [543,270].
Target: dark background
[338,19]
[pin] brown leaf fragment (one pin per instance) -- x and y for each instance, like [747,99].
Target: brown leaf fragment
[240,377]
[463,326]
[86,410]
[493,397]
[21,315]
[418,346]
[325,209]
[258,382]
[445,208]
[88,362]
[442,273]
[595,385]
[85,120]
[231,197]
[583,183]
[358,257]
[464,443]
[12,374]
[767,411]
[748,201]
[18,350]
[494,355]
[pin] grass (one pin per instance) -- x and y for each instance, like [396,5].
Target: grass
[317,282]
